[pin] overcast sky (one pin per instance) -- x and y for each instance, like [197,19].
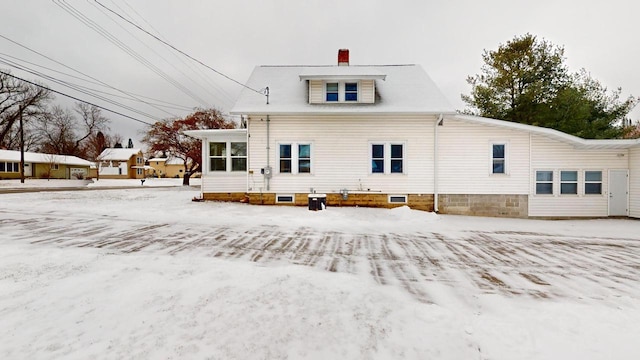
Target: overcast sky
[446,38]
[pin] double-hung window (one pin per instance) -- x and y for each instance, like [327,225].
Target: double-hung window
[544,182]
[294,158]
[387,158]
[593,182]
[351,92]
[498,158]
[568,182]
[228,156]
[331,92]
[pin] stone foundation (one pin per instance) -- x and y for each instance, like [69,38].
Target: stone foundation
[513,206]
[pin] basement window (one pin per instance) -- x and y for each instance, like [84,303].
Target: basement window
[284,199]
[397,199]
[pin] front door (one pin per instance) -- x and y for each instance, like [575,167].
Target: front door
[618,192]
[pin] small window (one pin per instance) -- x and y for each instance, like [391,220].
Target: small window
[351,92]
[398,199]
[544,182]
[285,158]
[238,156]
[139,171]
[377,158]
[593,182]
[498,159]
[569,182]
[332,92]
[284,199]
[304,158]
[218,156]
[3,167]
[397,155]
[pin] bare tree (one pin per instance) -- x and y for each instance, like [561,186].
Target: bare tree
[18,98]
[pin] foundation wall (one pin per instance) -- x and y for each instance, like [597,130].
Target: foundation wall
[513,206]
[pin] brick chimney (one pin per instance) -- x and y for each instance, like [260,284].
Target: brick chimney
[343,57]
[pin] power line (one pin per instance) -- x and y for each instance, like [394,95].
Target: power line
[180,51]
[75,98]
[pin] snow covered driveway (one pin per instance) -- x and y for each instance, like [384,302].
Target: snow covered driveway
[373,283]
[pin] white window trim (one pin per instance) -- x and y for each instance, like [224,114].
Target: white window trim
[228,158]
[577,182]
[585,182]
[406,199]
[554,191]
[295,157]
[506,157]
[293,199]
[341,91]
[387,157]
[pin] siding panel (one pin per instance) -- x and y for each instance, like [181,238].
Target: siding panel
[634,183]
[316,91]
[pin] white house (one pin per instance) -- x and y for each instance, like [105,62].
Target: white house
[386,136]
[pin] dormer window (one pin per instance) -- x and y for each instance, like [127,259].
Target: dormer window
[332,92]
[351,92]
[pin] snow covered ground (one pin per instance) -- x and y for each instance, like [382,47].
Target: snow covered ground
[145,273]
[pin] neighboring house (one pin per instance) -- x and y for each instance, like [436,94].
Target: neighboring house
[385,136]
[121,164]
[167,167]
[44,166]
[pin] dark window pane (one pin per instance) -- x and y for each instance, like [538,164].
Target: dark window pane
[351,96]
[304,166]
[239,149]
[593,188]
[351,87]
[593,175]
[396,151]
[218,149]
[396,166]
[377,151]
[544,175]
[218,164]
[304,151]
[498,166]
[377,166]
[332,96]
[2,167]
[498,151]
[569,188]
[285,151]
[544,188]
[285,166]
[239,164]
[568,176]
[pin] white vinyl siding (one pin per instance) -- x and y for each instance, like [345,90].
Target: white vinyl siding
[224,181]
[316,91]
[340,153]
[634,182]
[465,159]
[547,154]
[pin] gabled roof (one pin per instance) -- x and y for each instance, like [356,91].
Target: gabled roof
[406,89]
[32,157]
[117,154]
[578,143]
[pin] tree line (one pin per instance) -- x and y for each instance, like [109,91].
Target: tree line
[81,131]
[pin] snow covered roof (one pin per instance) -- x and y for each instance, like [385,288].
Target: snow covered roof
[32,157]
[405,89]
[118,154]
[577,142]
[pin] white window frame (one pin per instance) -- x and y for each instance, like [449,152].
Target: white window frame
[140,171]
[293,199]
[561,182]
[585,182]
[506,157]
[295,157]
[228,158]
[535,182]
[387,157]
[405,197]
[342,92]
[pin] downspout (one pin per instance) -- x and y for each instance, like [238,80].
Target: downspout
[267,178]
[435,163]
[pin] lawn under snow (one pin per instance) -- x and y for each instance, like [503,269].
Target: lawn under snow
[146,273]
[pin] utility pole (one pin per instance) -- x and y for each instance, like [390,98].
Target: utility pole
[21,148]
